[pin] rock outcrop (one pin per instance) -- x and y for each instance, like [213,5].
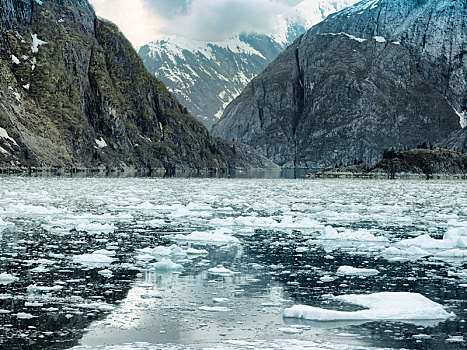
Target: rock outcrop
[377,75]
[421,163]
[74,93]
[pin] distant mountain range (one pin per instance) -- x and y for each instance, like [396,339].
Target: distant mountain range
[379,74]
[207,76]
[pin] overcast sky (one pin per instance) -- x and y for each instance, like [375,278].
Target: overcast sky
[145,20]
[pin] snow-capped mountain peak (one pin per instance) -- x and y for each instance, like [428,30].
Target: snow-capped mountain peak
[206,76]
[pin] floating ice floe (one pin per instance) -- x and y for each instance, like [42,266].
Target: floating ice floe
[93,260]
[39,269]
[411,251]
[380,306]
[221,271]
[6,278]
[96,228]
[282,222]
[24,316]
[105,252]
[43,289]
[215,308]
[173,250]
[330,233]
[166,265]
[353,271]
[425,242]
[452,253]
[96,306]
[452,245]
[106,273]
[218,236]
[193,251]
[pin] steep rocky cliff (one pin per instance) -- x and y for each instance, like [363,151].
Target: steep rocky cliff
[380,74]
[74,93]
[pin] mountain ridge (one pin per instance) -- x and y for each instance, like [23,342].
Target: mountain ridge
[206,76]
[336,94]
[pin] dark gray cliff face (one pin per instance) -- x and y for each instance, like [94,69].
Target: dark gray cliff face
[73,92]
[434,31]
[16,13]
[335,97]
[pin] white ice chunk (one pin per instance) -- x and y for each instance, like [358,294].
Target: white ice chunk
[35,288]
[353,271]
[6,278]
[452,253]
[217,236]
[106,273]
[105,252]
[24,316]
[221,271]
[416,251]
[424,241]
[166,265]
[380,306]
[96,228]
[93,260]
[215,308]
[193,251]
[330,233]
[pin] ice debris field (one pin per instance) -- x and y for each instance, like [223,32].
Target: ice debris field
[232,264]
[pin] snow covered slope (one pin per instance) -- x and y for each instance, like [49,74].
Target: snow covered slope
[206,76]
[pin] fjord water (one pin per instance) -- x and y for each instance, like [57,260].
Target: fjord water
[86,262]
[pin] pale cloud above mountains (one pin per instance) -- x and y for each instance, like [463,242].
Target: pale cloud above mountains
[207,20]
[145,20]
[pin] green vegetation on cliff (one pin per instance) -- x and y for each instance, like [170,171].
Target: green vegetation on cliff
[74,93]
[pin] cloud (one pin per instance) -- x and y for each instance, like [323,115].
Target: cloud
[143,21]
[169,9]
[135,18]
[216,20]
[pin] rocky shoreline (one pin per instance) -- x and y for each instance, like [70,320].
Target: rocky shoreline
[420,163]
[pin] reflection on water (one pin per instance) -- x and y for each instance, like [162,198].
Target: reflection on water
[51,301]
